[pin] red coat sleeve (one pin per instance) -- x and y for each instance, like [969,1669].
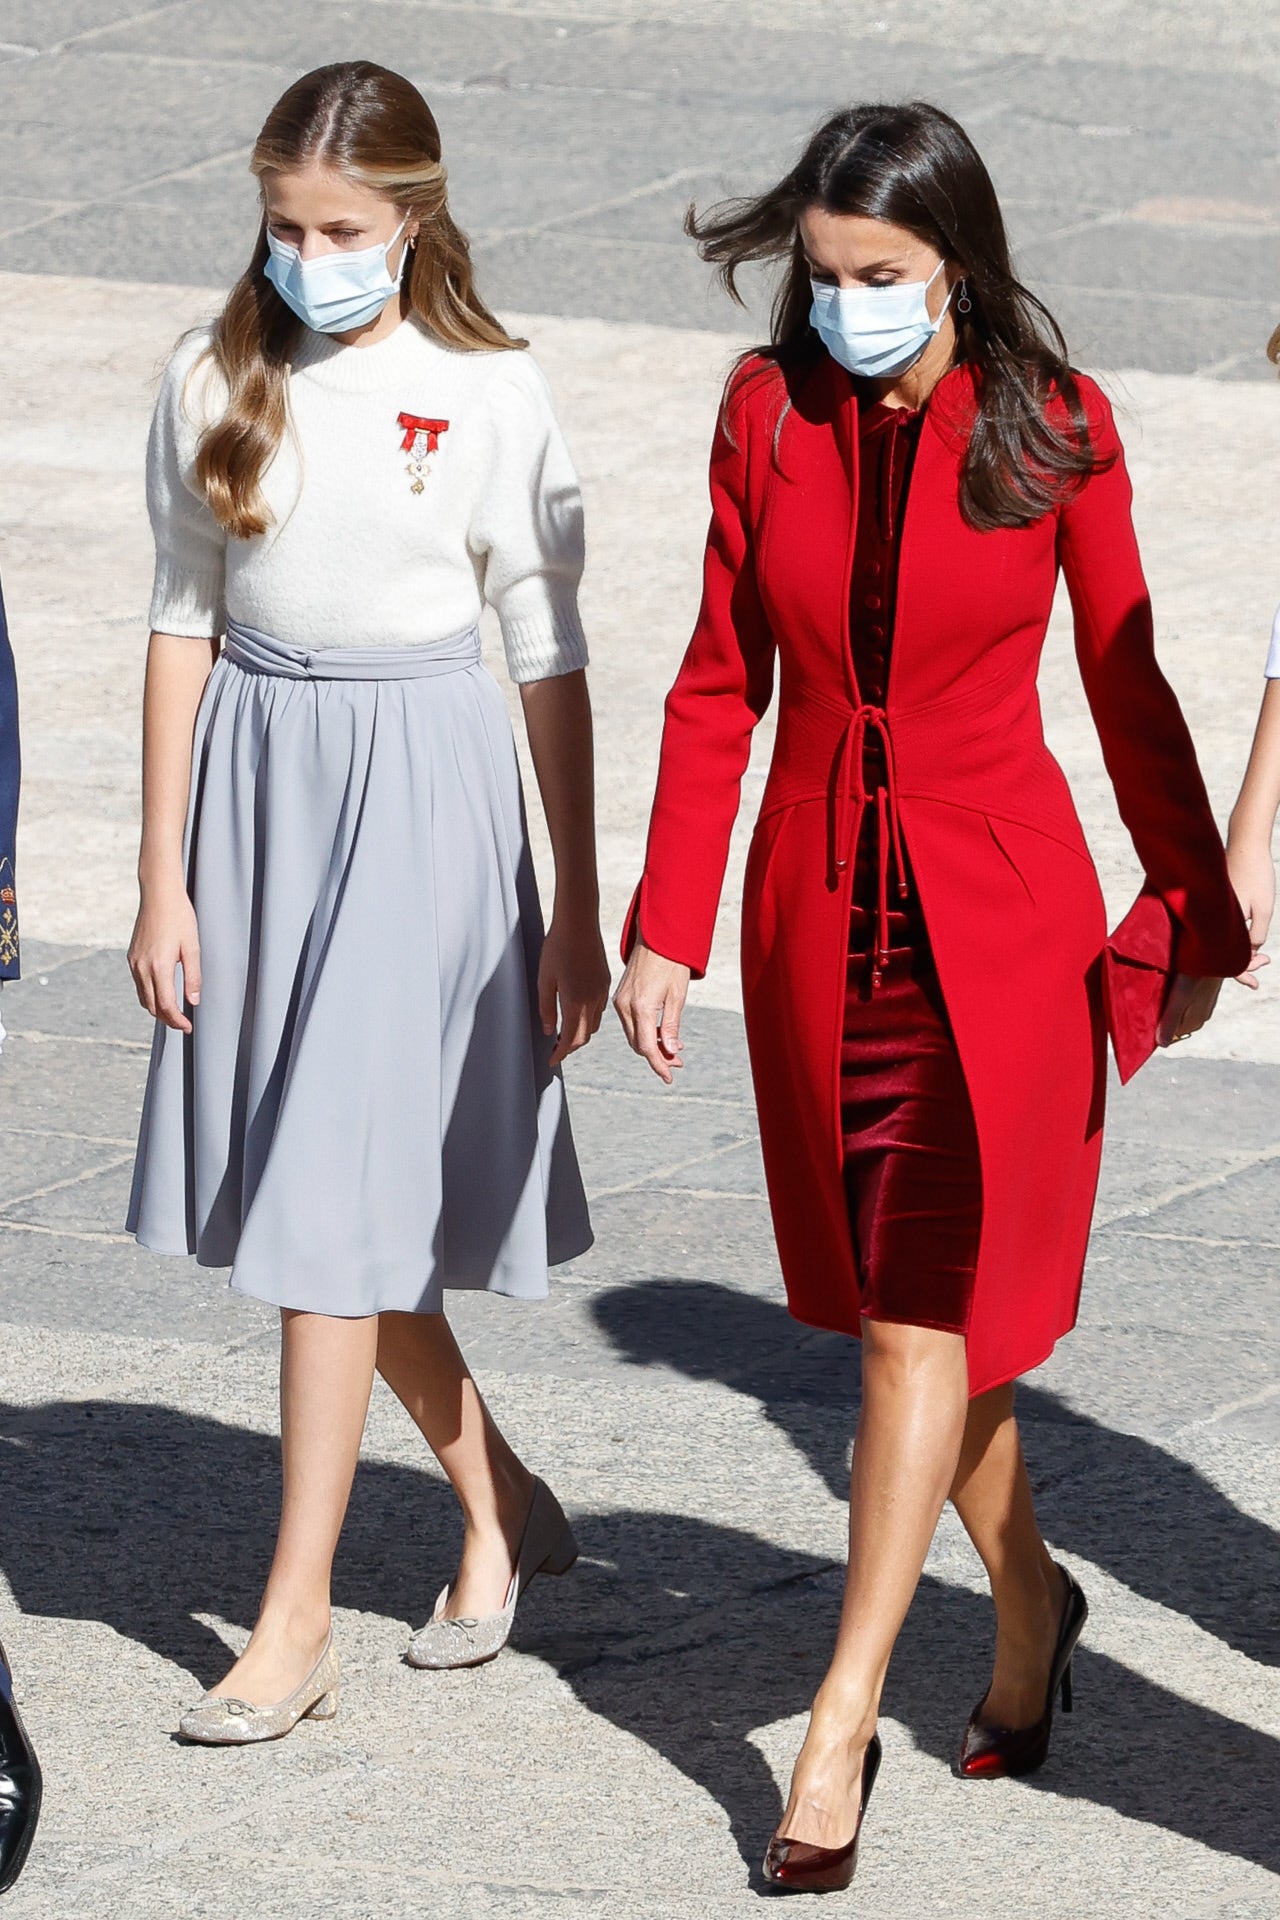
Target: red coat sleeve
[724,686]
[1146,744]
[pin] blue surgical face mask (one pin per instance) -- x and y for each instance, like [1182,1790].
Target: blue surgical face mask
[876,332]
[336,292]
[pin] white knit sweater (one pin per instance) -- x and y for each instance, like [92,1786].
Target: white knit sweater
[354,557]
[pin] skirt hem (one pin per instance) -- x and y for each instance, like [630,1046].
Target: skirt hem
[432,1293]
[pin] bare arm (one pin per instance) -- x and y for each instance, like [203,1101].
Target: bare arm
[574,970]
[1253,820]
[165,936]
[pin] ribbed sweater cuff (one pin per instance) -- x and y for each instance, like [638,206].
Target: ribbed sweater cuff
[187,602]
[543,645]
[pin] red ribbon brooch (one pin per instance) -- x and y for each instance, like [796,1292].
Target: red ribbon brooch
[421,440]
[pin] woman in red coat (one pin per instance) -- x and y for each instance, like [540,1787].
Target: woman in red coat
[896,482]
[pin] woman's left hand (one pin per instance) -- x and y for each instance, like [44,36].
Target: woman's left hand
[1253,876]
[573,976]
[1192,998]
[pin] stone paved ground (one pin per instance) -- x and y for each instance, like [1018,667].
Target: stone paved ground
[1135,148]
[627,1758]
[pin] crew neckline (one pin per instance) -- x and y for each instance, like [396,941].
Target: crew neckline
[330,362]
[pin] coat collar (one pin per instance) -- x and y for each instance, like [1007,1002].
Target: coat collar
[822,393]
[817,432]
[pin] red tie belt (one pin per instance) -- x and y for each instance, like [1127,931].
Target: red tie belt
[851,795]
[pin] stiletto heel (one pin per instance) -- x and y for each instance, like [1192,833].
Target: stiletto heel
[993,1753]
[547,1545]
[325,1709]
[794,1866]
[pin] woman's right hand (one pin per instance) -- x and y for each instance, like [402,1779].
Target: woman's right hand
[165,938]
[649,1002]
[1253,876]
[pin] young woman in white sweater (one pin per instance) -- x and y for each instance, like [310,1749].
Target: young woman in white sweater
[354,1098]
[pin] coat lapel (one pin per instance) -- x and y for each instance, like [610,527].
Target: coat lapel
[813,508]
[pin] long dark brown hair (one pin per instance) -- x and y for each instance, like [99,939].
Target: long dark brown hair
[915,167]
[374,127]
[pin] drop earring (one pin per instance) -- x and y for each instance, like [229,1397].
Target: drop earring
[963,303]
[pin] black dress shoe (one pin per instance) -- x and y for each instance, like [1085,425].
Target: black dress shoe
[21,1784]
[995,1753]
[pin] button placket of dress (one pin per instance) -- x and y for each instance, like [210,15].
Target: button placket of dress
[841,799]
[871,720]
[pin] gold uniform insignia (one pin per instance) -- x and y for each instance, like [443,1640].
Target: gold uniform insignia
[8,917]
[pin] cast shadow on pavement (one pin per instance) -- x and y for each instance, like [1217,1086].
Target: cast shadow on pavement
[688,1635]
[1162,1529]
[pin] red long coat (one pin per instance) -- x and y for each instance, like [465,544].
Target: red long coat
[1008,889]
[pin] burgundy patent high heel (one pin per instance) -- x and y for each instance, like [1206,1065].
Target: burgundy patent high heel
[794,1866]
[993,1753]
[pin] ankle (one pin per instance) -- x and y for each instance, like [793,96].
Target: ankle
[505,1508]
[844,1710]
[1028,1585]
[1030,1607]
[290,1623]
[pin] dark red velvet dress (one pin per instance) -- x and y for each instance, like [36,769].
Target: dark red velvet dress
[912,1170]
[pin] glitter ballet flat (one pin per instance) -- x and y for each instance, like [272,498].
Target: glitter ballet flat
[221,1721]
[547,1545]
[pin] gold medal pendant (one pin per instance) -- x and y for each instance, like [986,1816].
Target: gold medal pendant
[418,465]
[421,440]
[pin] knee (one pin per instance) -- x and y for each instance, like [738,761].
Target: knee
[908,1356]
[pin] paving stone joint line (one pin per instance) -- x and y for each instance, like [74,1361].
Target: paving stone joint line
[87,1236]
[676,1166]
[1198,1239]
[64,1133]
[82,1040]
[140,19]
[1243,1162]
[62,1186]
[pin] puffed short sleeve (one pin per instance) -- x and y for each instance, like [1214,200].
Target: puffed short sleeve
[527,531]
[188,597]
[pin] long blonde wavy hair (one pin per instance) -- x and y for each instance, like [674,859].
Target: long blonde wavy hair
[375,128]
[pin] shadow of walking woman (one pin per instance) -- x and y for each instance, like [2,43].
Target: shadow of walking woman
[689,1635]
[1149,1754]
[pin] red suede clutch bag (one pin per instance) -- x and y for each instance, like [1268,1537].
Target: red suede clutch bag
[1138,969]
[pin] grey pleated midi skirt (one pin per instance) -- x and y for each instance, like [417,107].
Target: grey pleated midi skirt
[365,1112]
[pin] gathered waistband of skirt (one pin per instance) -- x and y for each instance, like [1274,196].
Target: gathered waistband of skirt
[261,653]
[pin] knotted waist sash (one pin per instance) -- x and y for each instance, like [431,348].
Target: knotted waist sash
[850,794]
[982,749]
[261,653]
